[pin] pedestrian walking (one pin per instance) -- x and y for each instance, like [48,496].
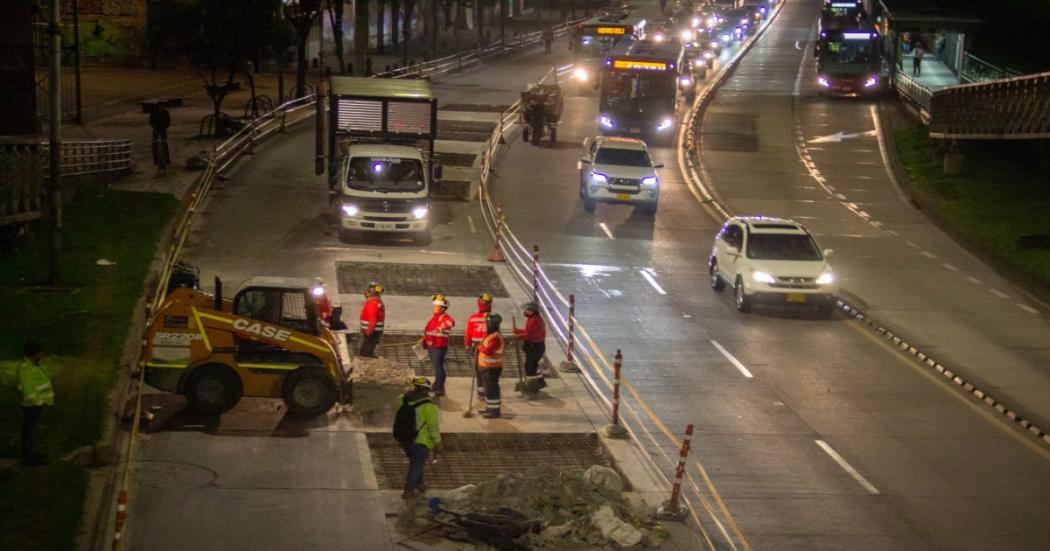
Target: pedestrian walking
[548,39]
[159,121]
[34,384]
[435,340]
[906,43]
[490,365]
[373,316]
[417,429]
[916,63]
[533,338]
[476,331]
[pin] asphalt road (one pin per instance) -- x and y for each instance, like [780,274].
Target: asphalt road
[836,441]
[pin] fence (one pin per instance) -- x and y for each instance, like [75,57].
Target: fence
[1013,108]
[975,69]
[911,90]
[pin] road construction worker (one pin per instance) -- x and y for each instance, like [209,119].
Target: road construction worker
[324,306]
[417,429]
[435,339]
[34,384]
[533,339]
[476,331]
[490,364]
[373,316]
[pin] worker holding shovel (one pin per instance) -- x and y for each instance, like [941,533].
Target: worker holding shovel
[490,365]
[476,331]
[533,339]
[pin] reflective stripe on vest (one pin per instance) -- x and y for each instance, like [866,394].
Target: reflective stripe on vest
[493,359]
[378,325]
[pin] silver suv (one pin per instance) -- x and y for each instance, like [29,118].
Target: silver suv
[618,170]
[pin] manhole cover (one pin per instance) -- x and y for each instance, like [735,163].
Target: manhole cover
[465,131]
[470,458]
[397,346]
[420,279]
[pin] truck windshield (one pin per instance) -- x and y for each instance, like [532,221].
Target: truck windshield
[622,157]
[848,57]
[628,91]
[385,174]
[782,246]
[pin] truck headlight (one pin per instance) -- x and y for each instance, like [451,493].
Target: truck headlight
[826,278]
[350,210]
[420,212]
[606,121]
[763,277]
[665,124]
[581,74]
[650,181]
[599,177]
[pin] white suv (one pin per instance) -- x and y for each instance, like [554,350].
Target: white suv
[772,261]
[618,170]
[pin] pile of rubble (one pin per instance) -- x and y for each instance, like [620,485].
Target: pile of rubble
[579,509]
[378,383]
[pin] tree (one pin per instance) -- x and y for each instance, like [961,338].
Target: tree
[302,14]
[229,36]
[408,6]
[360,35]
[335,16]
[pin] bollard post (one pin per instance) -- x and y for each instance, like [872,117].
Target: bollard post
[614,430]
[672,509]
[535,273]
[497,253]
[569,365]
[121,516]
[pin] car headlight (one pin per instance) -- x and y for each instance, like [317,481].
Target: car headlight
[659,37]
[350,210]
[714,44]
[581,74]
[599,177]
[665,124]
[687,35]
[696,22]
[763,277]
[606,121]
[871,81]
[650,181]
[826,278]
[685,82]
[726,37]
[420,212]
[824,82]
[709,55]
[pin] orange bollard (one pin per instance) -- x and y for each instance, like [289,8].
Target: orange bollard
[672,509]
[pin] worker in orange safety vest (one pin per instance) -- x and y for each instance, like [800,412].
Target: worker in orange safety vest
[373,317]
[490,365]
[435,340]
[476,331]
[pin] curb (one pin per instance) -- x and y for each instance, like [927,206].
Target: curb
[717,206]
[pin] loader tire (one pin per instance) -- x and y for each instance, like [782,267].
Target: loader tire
[309,392]
[213,389]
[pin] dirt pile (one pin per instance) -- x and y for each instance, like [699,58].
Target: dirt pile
[380,371]
[579,509]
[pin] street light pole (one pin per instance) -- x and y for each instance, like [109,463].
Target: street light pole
[55,141]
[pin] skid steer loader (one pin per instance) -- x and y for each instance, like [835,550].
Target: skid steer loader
[269,341]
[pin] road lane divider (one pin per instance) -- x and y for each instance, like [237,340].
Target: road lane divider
[652,281]
[605,229]
[871,489]
[736,363]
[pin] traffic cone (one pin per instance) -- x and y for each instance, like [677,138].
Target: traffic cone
[496,255]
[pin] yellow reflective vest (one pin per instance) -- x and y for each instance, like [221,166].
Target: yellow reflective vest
[35,385]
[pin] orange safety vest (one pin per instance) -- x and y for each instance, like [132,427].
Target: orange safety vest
[490,353]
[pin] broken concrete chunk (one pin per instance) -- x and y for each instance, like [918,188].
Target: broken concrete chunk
[607,480]
[614,529]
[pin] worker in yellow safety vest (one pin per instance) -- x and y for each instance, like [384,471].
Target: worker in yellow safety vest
[490,365]
[34,384]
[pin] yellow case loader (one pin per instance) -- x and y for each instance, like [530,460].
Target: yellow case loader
[267,342]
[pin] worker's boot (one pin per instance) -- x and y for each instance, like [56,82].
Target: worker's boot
[491,414]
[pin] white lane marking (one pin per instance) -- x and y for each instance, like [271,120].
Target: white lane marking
[893,233]
[974,280]
[910,244]
[606,230]
[470,222]
[949,267]
[847,467]
[998,293]
[736,363]
[1027,308]
[652,281]
[928,254]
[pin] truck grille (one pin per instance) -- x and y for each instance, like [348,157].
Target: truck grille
[384,205]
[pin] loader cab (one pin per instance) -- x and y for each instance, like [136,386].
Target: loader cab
[283,302]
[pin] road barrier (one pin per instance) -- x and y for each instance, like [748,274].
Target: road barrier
[672,509]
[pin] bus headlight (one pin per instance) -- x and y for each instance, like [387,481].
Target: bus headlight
[350,210]
[581,74]
[420,212]
[606,121]
[871,81]
[665,124]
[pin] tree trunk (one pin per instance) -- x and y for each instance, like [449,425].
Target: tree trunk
[380,15]
[360,35]
[335,11]
[395,20]
[406,28]
[479,13]
[300,67]
[503,20]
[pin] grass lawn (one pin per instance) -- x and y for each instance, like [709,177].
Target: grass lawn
[82,329]
[1002,194]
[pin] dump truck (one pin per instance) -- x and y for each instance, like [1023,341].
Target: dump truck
[270,341]
[382,168]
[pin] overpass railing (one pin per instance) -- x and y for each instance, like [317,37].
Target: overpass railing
[1007,109]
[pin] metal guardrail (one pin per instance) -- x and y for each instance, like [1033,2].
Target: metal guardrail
[458,61]
[93,156]
[913,91]
[975,69]
[1013,108]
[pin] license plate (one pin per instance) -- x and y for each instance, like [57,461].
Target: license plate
[384,226]
[796,297]
[636,131]
[623,197]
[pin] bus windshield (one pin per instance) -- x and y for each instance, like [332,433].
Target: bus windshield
[385,174]
[848,56]
[632,91]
